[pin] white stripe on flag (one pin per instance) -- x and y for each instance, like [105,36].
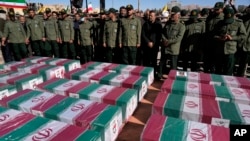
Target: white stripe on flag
[193,76]
[14,3]
[244,112]
[74,65]
[56,72]
[8,115]
[198,132]
[231,81]
[35,60]
[47,132]
[54,62]
[128,69]
[101,66]
[191,109]
[4,79]
[193,89]
[11,64]
[117,80]
[98,94]
[239,95]
[33,101]
[61,89]
[86,76]
[131,106]
[29,69]
[74,110]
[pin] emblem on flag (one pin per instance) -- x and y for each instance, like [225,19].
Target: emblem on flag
[42,134]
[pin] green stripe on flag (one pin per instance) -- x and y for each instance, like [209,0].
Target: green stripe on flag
[51,86]
[26,129]
[231,112]
[2,109]
[119,68]
[16,102]
[173,105]
[126,96]
[217,78]
[56,110]
[138,84]
[26,80]
[76,76]
[84,93]
[94,65]
[89,136]
[106,79]
[178,87]
[174,130]
[223,92]
[146,71]
[50,60]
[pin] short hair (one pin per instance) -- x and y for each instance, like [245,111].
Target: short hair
[31,9]
[54,12]
[152,11]
[122,7]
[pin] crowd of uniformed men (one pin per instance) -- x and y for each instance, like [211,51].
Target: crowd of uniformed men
[213,36]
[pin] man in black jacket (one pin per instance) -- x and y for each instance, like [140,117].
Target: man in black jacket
[151,36]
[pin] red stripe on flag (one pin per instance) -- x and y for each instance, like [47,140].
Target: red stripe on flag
[154,128]
[244,82]
[159,103]
[36,70]
[43,106]
[70,133]
[14,79]
[111,67]
[14,68]
[137,70]
[48,82]
[207,91]
[2,84]
[130,81]
[89,115]
[4,101]
[210,109]
[99,75]
[113,95]
[13,6]
[205,78]
[172,74]
[43,60]
[220,133]
[13,124]
[167,85]
[62,62]
[75,89]
[70,73]
[86,65]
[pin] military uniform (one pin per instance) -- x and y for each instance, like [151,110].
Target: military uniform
[193,41]
[52,35]
[16,36]
[172,35]
[66,32]
[85,37]
[35,31]
[130,37]
[226,47]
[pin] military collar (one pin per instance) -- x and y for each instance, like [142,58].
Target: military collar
[133,17]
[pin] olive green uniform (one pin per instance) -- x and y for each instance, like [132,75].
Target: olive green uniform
[225,50]
[110,37]
[51,34]
[16,36]
[129,37]
[66,32]
[193,41]
[85,38]
[35,31]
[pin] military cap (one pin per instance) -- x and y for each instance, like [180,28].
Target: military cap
[194,14]
[184,12]
[228,15]
[102,11]
[204,11]
[175,10]
[112,10]
[2,11]
[47,10]
[63,11]
[11,14]
[129,7]
[218,5]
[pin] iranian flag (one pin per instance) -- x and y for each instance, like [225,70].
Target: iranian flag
[122,97]
[146,72]
[21,80]
[12,65]
[7,90]
[13,3]
[220,93]
[201,110]
[190,76]
[29,127]
[162,128]
[36,59]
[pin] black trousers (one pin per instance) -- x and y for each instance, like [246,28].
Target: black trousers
[224,64]
[129,55]
[173,62]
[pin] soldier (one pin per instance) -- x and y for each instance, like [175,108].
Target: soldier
[123,12]
[54,14]
[193,41]
[151,36]
[35,31]
[227,33]
[129,36]
[16,36]
[213,18]
[52,35]
[245,54]
[172,35]
[110,35]
[66,32]
[77,22]
[86,40]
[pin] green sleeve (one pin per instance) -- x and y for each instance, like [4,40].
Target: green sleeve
[71,31]
[42,27]
[138,32]
[241,35]
[120,32]
[104,32]
[28,30]
[179,36]
[6,31]
[56,28]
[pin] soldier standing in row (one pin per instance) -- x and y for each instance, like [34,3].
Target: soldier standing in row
[16,36]
[77,22]
[35,32]
[86,40]
[151,37]
[130,36]
[193,41]
[228,33]
[172,35]
[66,31]
[110,35]
[52,35]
